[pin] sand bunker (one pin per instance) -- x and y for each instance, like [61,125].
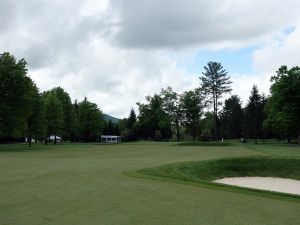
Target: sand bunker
[265,183]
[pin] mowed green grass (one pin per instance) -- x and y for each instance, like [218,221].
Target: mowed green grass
[86,184]
[206,171]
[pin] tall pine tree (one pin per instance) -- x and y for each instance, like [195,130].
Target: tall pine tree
[215,82]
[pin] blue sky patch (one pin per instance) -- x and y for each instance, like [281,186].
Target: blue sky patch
[235,61]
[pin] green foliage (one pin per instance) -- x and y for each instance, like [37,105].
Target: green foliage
[36,123]
[25,112]
[110,128]
[123,123]
[172,107]
[68,110]
[90,121]
[74,135]
[215,82]
[131,119]
[14,96]
[206,127]
[127,127]
[283,106]
[231,118]
[192,107]
[152,118]
[54,114]
[254,115]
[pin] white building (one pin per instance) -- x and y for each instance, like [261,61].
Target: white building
[110,139]
[52,137]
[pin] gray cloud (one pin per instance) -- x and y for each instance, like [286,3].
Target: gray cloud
[183,23]
[118,53]
[6,14]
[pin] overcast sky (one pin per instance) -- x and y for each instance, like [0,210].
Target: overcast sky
[116,52]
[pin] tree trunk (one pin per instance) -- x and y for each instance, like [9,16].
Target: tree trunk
[194,132]
[299,139]
[55,139]
[46,140]
[29,138]
[215,119]
[178,133]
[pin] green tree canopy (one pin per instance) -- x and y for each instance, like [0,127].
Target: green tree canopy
[215,82]
[153,122]
[254,116]
[68,110]
[231,118]
[172,107]
[283,106]
[90,120]
[131,119]
[54,115]
[207,127]
[192,106]
[15,96]
[36,121]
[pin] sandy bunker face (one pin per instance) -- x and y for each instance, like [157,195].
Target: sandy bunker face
[264,183]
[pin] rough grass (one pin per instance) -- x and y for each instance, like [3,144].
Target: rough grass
[235,167]
[85,184]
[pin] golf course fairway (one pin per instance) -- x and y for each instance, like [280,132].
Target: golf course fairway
[88,184]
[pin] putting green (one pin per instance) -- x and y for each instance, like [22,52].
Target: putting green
[85,184]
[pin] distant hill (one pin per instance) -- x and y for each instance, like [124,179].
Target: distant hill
[108,117]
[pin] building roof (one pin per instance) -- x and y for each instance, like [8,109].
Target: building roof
[110,136]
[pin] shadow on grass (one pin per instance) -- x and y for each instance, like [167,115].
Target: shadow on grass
[209,143]
[23,147]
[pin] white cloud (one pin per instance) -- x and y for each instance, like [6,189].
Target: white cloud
[116,52]
[281,50]
[243,83]
[115,78]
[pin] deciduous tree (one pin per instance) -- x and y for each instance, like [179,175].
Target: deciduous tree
[283,107]
[14,96]
[172,107]
[192,106]
[152,119]
[90,120]
[36,124]
[54,115]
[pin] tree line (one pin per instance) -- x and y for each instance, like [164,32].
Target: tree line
[204,115]
[201,113]
[26,112]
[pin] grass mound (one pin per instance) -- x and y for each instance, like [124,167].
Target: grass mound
[234,167]
[199,143]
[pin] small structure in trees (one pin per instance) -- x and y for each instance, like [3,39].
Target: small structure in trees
[52,138]
[110,139]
